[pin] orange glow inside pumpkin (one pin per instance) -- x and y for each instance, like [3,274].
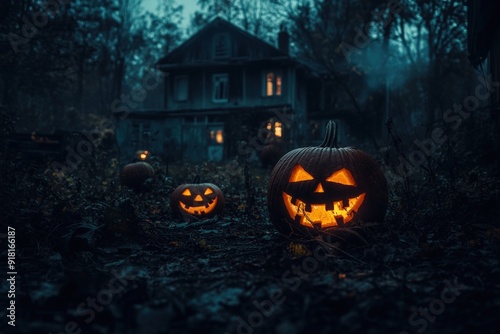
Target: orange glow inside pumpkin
[342,176]
[201,207]
[299,174]
[339,212]
[198,210]
[320,215]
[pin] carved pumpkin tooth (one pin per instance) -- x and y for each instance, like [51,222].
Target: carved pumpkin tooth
[329,206]
[345,202]
[317,225]
[340,220]
[294,200]
[308,207]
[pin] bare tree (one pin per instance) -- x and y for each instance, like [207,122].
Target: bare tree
[433,35]
[257,17]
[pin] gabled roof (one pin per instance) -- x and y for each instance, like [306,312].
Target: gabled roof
[218,23]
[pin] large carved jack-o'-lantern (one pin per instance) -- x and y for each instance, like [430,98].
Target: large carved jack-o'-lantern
[320,188]
[197,200]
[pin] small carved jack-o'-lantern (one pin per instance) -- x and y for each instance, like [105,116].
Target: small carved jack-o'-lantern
[135,174]
[319,188]
[197,200]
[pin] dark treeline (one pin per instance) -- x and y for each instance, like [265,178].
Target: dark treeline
[64,61]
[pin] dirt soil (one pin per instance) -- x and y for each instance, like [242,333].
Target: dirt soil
[94,257]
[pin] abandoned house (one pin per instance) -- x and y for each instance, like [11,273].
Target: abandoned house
[224,86]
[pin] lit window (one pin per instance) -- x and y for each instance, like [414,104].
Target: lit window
[216,136]
[269,84]
[220,84]
[278,130]
[219,137]
[181,88]
[273,84]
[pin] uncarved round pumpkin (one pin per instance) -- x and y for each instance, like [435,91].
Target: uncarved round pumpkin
[197,201]
[135,174]
[270,155]
[315,189]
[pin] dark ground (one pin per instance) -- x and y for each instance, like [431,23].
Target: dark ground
[75,236]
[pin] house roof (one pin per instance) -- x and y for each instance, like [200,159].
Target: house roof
[174,58]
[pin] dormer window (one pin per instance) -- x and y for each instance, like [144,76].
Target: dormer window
[221,46]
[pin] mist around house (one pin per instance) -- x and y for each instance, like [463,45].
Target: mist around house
[264,166]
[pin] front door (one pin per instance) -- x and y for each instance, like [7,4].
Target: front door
[202,142]
[216,142]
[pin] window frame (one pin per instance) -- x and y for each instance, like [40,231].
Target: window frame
[176,87]
[225,78]
[276,74]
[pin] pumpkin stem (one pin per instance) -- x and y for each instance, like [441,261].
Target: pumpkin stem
[330,136]
[196,179]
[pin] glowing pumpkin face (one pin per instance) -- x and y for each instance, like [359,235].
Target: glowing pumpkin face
[197,201]
[323,207]
[320,188]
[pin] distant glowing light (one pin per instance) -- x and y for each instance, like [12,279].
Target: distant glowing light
[143,155]
[278,84]
[219,137]
[269,84]
[278,130]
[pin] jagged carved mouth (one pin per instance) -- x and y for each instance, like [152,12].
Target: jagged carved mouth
[199,209]
[335,213]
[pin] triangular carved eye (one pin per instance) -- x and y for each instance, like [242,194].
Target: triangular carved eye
[208,191]
[186,192]
[342,176]
[299,174]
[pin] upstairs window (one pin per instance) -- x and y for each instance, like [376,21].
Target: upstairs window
[273,83]
[181,88]
[220,85]
[221,46]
